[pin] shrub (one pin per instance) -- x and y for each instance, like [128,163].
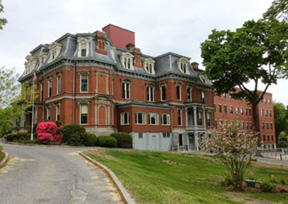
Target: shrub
[73,134]
[124,139]
[11,137]
[107,141]
[1,148]
[283,182]
[89,139]
[267,187]
[47,133]
[22,136]
[58,123]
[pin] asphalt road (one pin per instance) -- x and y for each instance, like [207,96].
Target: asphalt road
[52,174]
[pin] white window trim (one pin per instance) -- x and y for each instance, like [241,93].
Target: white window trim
[81,41]
[180,90]
[87,113]
[150,88]
[148,62]
[127,55]
[55,49]
[161,98]
[57,107]
[48,114]
[162,119]
[143,118]
[190,92]
[59,78]
[183,62]
[122,120]
[81,75]
[156,119]
[49,86]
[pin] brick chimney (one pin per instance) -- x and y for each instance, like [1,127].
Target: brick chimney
[101,42]
[195,65]
[137,57]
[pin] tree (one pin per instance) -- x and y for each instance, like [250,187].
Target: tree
[9,87]
[233,148]
[6,115]
[278,10]
[248,55]
[3,21]
[280,118]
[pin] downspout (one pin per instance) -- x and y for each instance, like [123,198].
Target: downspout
[73,93]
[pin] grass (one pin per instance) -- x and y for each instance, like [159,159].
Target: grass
[154,177]
[2,155]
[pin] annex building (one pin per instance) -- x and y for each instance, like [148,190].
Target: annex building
[102,81]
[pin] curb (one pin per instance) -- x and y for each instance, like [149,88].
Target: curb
[5,160]
[126,197]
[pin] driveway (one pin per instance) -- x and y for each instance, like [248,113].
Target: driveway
[53,174]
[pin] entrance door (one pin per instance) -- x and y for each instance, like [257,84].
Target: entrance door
[180,140]
[191,138]
[154,143]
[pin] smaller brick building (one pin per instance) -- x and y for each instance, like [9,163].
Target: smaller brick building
[227,109]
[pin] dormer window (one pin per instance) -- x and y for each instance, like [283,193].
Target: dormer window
[83,47]
[55,49]
[42,58]
[30,63]
[149,65]
[182,64]
[126,60]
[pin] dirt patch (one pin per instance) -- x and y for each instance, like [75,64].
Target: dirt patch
[100,153]
[169,162]
[268,165]
[246,199]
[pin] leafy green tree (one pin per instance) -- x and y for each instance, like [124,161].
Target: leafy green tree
[3,21]
[280,118]
[283,139]
[6,116]
[278,10]
[248,55]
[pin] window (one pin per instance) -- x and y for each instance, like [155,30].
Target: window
[48,114]
[166,134]
[179,112]
[242,125]
[165,119]
[272,138]
[83,47]
[150,93]
[219,108]
[270,113]
[58,84]
[140,118]
[55,49]
[268,138]
[241,110]
[237,111]
[225,109]
[226,123]
[265,101]
[251,126]
[247,125]
[263,126]
[182,64]
[189,94]
[41,92]
[269,101]
[231,109]
[262,113]
[271,126]
[153,119]
[264,139]
[125,118]
[267,126]
[266,113]
[224,95]
[126,60]
[163,92]
[178,92]
[246,112]
[203,96]
[230,97]
[140,135]
[126,90]
[220,123]
[148,64]
[250,112]
[49,88]
[200,115]
[84,114]
[84,83]
[57,112]
[209,119]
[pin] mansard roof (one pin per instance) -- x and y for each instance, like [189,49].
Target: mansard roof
[165,65]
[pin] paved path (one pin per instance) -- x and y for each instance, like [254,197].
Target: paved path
[52,174]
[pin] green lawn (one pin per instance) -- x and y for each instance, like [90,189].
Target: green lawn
[2,155]
[154,177]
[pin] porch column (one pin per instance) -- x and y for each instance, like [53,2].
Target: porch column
[195,115]
[186,116]
[196,140]
[204,118]
[35,114]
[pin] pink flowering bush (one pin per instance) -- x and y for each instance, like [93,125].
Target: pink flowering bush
[234,148]
[49,133]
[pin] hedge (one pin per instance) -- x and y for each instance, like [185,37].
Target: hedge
[73,134]
[107,141]
[124,139]
[89,139]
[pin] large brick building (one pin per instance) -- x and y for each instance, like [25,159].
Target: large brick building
[227,109]
[103,82]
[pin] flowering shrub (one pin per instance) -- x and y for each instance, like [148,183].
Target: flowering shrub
[49,133]
[233,148]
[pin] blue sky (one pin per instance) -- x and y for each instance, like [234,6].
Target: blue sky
[160,26]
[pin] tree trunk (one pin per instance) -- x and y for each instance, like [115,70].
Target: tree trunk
[257,128]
